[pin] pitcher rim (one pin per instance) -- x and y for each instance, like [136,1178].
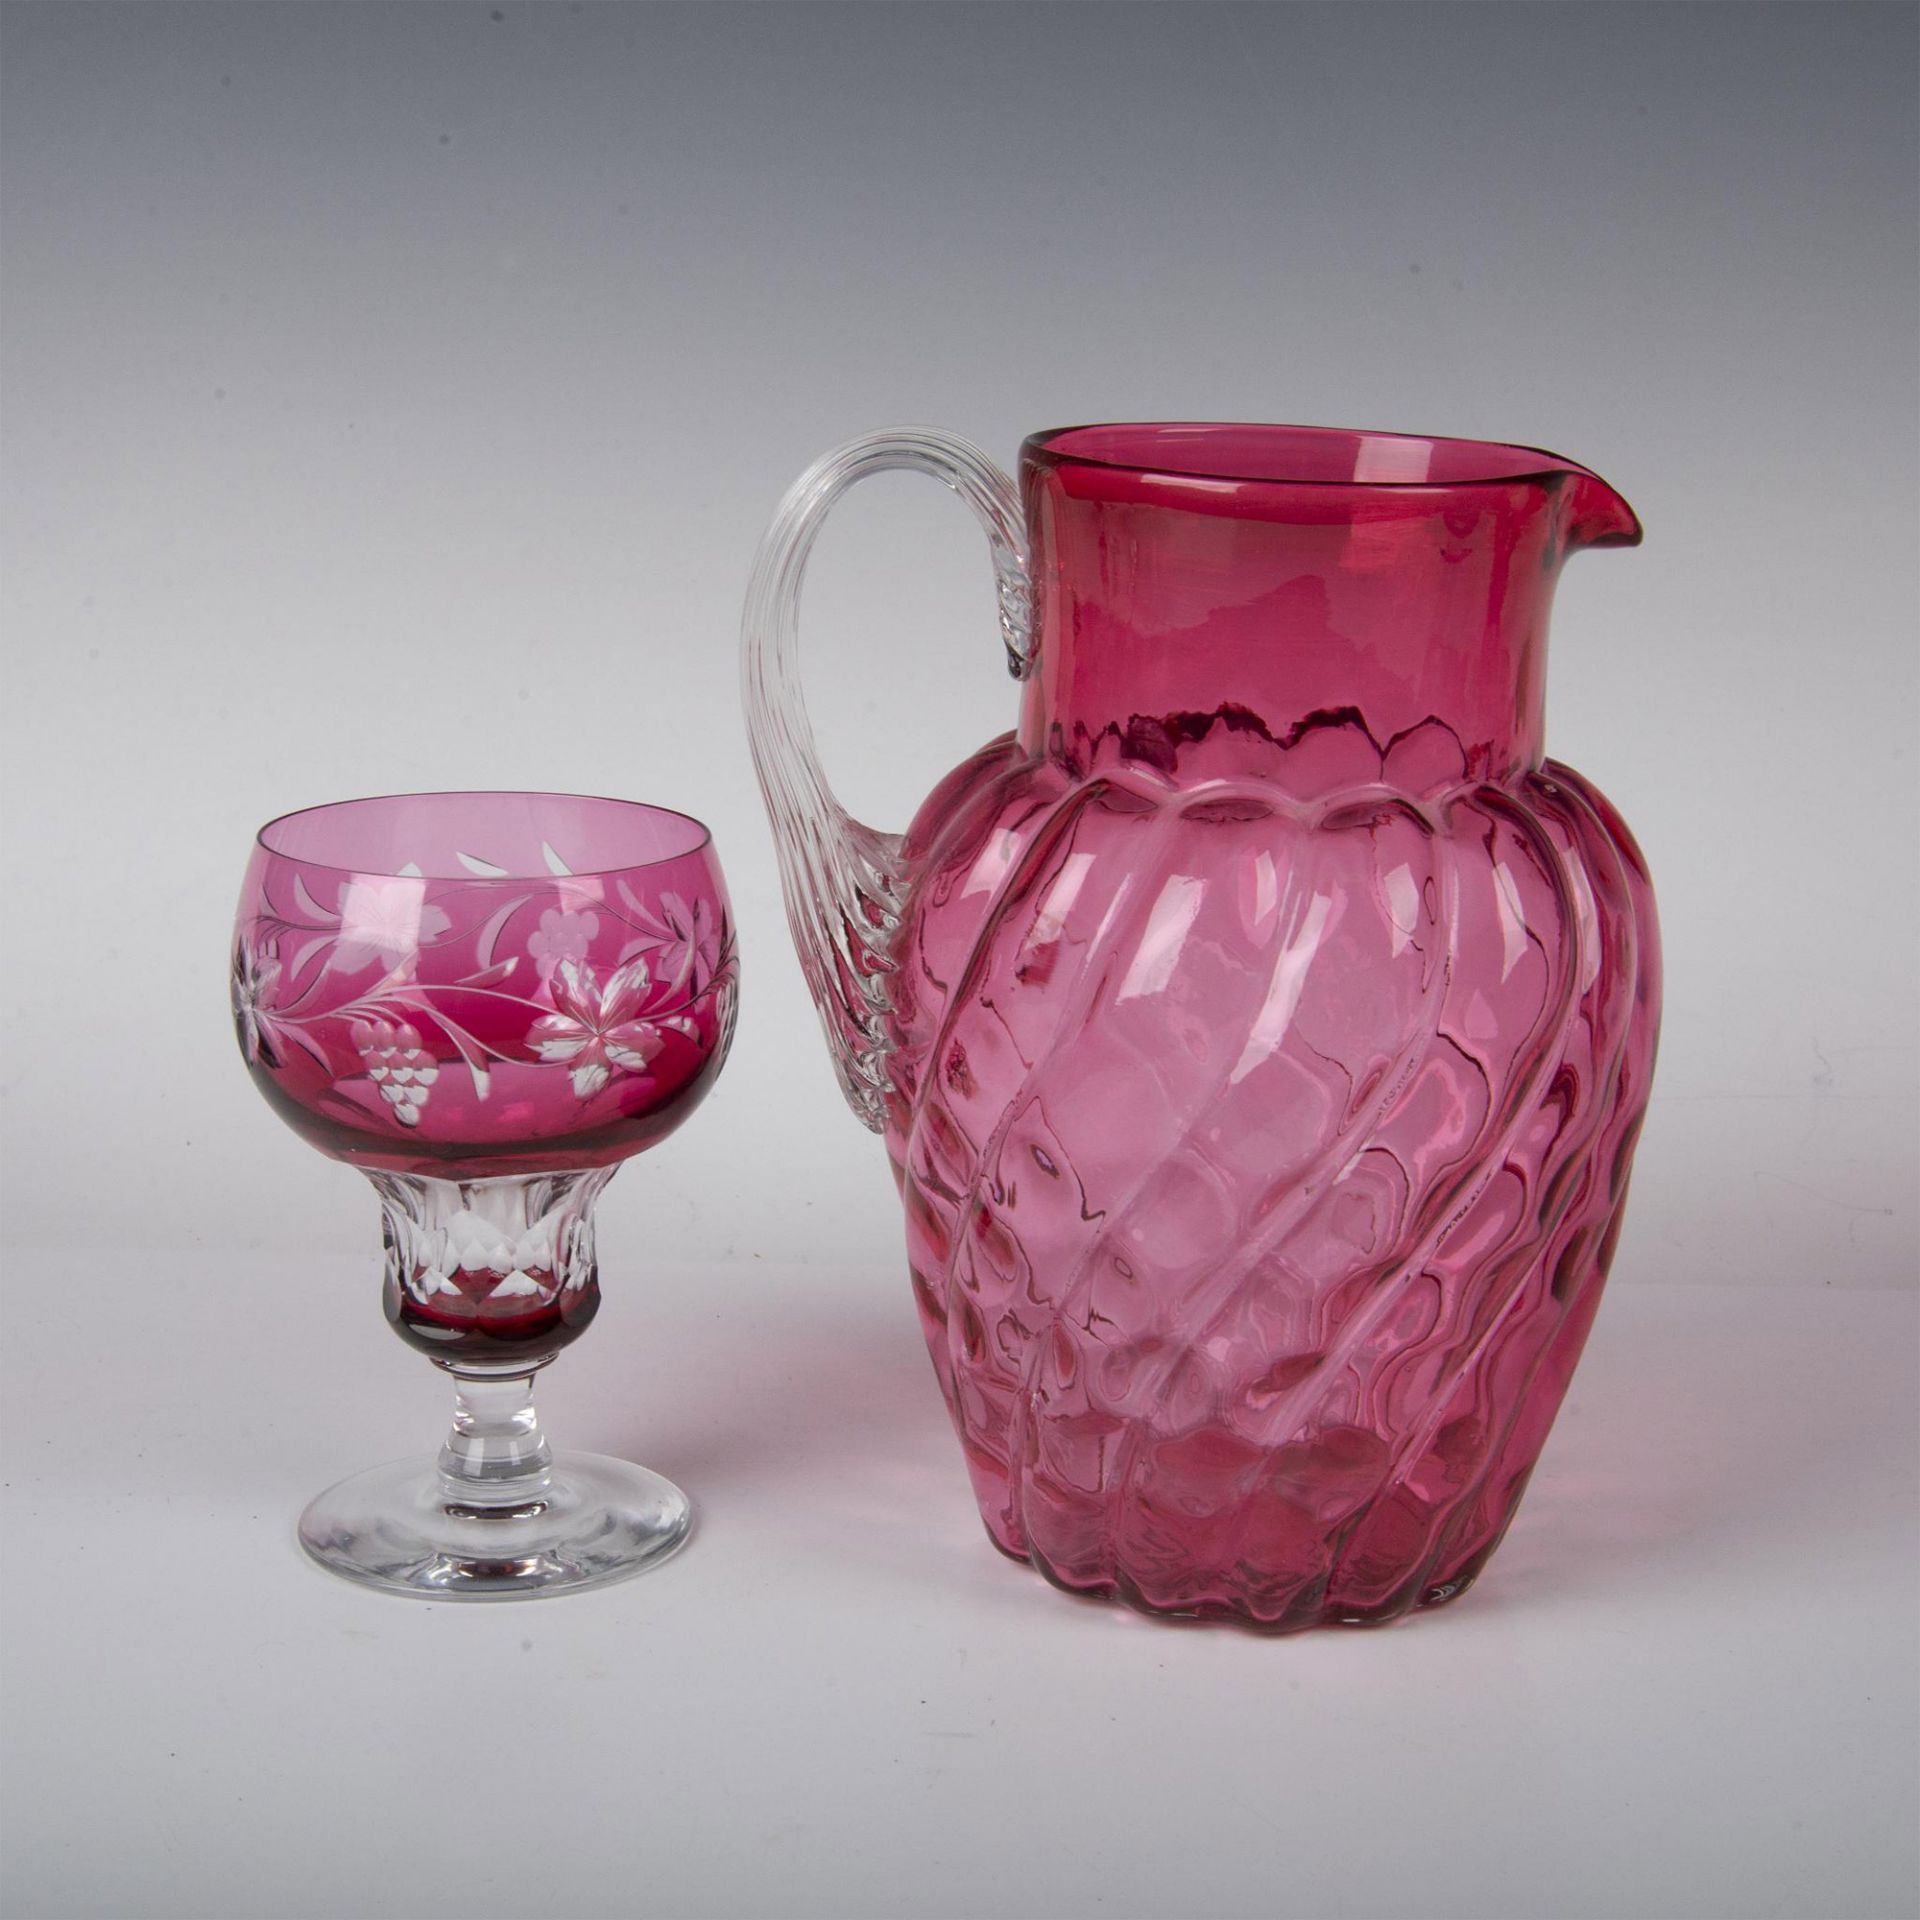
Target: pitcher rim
[1525,463]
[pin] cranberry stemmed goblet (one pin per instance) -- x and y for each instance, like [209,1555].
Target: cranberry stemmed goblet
[486,1002]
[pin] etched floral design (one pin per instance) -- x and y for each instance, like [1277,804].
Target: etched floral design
[255,982]
[397,1065]
[595,1021]
[385,918]
[593,1031]
[562,935]
[685,938]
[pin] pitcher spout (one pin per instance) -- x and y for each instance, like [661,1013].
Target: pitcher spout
[1596,515]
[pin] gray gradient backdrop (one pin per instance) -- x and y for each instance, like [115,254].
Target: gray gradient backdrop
[393,397]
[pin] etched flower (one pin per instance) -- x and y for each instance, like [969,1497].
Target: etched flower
[397,1064]
[683,937]
[593,1030]
[562,936]
[256,983]
[385,917]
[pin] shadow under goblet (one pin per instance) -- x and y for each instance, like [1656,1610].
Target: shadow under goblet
[486,1002]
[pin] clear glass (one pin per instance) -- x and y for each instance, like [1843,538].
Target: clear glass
[1261,1033]
[486,1002]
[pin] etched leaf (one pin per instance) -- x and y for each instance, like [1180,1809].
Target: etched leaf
[308,904]
[489,936]
[301,1038]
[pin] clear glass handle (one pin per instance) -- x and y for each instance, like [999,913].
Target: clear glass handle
[843,880]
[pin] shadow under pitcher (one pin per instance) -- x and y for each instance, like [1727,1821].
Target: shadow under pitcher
[1261,1031]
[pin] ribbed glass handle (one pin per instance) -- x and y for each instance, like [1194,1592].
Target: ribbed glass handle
[843,880]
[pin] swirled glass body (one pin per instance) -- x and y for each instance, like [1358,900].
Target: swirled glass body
[1262,1163]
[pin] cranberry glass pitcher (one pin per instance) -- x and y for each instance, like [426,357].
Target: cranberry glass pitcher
[1260,1033]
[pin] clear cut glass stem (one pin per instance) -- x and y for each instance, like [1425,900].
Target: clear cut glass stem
[495,1462]
[490,1278]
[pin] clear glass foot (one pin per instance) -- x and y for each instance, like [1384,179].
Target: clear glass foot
[603,1520]
[498,1516]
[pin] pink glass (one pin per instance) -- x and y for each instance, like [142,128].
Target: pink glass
[486,1002]
[1260,1034]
